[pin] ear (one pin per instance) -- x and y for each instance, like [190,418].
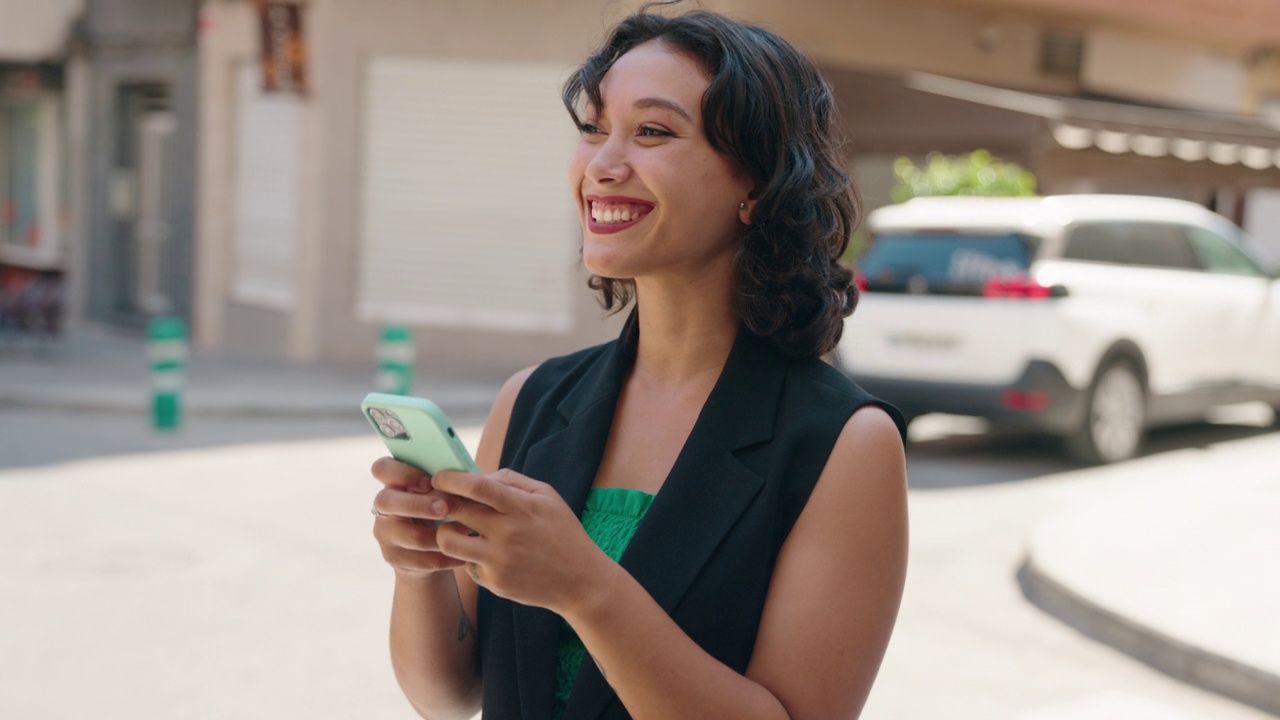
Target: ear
[747,208]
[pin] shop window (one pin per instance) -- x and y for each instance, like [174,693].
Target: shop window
[28,181]
[21,209]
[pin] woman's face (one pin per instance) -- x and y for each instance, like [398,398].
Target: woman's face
[653,196]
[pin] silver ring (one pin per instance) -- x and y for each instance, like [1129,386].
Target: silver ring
[374,509]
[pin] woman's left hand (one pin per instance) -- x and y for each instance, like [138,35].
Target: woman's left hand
[528,546]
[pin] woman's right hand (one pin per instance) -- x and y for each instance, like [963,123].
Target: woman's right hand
[405,511]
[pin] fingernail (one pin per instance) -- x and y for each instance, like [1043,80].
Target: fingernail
[438,507]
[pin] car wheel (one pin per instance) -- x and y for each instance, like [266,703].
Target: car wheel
[1115,417]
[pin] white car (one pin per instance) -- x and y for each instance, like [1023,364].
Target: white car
[1090,317]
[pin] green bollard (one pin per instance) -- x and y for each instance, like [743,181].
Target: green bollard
[395,360]
[168,351]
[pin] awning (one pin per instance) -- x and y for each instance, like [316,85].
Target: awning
[1121,128]
[35,30]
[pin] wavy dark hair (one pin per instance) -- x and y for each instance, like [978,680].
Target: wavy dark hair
[769,108]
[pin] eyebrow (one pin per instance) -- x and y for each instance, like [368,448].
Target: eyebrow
[652,102]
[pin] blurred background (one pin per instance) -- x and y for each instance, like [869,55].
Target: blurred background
[223,221]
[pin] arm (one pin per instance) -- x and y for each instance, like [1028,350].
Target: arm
[830,609]
[813,658]
[433,610]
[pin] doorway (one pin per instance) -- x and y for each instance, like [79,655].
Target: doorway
[141,205]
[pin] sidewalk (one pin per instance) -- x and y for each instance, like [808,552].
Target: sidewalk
[1179,565]
[101,370]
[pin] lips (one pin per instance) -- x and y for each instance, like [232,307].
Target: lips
[613,213]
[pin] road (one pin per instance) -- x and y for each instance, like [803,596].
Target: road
[227,572]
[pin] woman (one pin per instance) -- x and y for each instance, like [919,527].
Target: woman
[755,497]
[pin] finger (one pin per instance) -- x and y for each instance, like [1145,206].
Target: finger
[406,534]
[411,561]
[479,488]
[433,505]
[456,541]
[473,515]
[513,479]
[393,473]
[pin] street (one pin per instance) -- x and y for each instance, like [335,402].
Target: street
[228,572]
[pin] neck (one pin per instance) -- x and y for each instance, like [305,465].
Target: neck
[685,335]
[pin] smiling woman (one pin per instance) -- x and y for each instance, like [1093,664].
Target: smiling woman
[682,505]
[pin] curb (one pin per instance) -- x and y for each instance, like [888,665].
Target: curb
[328,412]
[187,410]
[1175,658]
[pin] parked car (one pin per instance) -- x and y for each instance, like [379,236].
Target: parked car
[1090,317]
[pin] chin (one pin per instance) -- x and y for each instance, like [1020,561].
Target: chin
[605,264]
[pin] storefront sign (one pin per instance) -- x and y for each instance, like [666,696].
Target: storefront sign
[284,56]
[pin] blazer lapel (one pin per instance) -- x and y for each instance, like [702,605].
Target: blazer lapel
[586,415]
[706,492]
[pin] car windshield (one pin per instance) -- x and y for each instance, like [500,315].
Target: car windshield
[944,263]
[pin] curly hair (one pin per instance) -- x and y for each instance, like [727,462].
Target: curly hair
[769,108]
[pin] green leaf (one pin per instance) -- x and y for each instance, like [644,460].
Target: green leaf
[976,173]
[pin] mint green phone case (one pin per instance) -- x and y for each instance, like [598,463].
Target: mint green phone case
[417,432]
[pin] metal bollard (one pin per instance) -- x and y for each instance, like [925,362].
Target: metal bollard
[395,360]
[168,351]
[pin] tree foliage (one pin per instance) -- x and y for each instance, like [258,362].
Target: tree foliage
[974,173]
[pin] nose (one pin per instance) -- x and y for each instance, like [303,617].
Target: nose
[609,162]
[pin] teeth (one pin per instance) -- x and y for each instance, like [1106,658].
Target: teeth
[616,213]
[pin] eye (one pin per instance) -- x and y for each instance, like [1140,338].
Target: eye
[588,129]
[654,131]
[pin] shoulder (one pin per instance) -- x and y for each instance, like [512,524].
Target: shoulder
[526,394]
[871,445]
[816,384]
[870,438]
[557,371]
[865,437]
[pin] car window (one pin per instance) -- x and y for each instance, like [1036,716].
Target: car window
[944,263]
[1094,243]
[1219,255]
[1159,246]
[1145,244]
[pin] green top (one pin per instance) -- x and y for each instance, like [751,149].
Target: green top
[610,518]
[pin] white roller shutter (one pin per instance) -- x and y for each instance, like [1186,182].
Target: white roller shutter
[266,192]
[468,220]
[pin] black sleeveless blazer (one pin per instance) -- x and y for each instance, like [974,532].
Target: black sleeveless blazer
[706,548]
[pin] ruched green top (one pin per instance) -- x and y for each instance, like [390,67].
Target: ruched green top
[610,518]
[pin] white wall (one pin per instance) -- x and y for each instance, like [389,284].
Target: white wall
[1163,72]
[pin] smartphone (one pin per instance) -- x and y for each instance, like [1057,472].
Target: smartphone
[418,433]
